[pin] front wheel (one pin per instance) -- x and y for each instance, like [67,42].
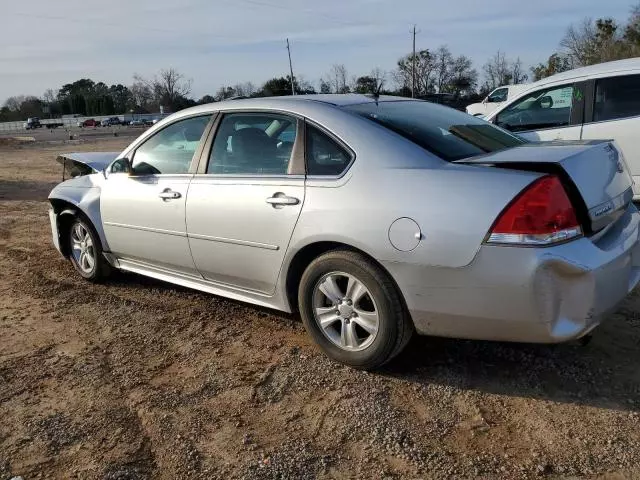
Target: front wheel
[352,310]
[85,251]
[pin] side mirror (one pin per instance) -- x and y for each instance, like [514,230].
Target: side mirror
[122,165]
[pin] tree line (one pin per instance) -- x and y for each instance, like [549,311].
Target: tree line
[437,71]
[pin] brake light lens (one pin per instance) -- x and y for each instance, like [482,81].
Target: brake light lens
[540,215]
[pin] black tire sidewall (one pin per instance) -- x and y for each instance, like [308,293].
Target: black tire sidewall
[95,273]
[383,345]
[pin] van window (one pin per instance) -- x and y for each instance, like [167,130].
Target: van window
[548,108]
[499,95]
[617,97]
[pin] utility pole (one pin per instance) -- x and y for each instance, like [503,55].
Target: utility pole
[293,89]
[413,65]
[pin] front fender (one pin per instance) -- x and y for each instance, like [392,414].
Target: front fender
[64,198]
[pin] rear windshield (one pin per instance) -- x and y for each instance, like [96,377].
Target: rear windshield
[448,133]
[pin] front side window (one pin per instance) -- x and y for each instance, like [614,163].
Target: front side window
[448,133]
[499,95]
[253,144]
[617,97]
[170,150]
[548,108]
[324,155]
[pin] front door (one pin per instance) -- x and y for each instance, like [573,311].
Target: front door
[242,209]
[143,212]
[543,115]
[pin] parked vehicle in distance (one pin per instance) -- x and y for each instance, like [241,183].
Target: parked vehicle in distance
[373,217]
[31,123]
[136,123]
[111,121]
[590,103]
[495,99]
[89,122]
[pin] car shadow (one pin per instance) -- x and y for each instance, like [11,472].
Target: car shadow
[604,373]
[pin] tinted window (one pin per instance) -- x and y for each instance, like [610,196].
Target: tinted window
[253,144]
[448,133]
[171,150]
[617,97]
[499,95]
[324,155]
[547,108]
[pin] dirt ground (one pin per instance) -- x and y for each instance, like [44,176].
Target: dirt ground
[137,379]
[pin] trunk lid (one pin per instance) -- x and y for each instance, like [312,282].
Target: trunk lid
[593,172]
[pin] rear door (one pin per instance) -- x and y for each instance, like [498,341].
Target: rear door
[244,202]
[614,114]
[550,113]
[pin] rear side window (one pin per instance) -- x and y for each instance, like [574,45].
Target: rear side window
[324,155]
[617,97]
[253,144]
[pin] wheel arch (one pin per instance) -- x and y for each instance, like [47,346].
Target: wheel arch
[303,257]
[65,210]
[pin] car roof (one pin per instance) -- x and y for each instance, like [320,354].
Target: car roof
[592,70]
[293,103]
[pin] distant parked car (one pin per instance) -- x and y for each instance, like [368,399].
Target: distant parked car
[108,122]
[136,123]
[597,102]
[374,217]
[32,122]
[90,122]
[496,99]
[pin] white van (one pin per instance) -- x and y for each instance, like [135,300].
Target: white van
[495,99]
[597,102]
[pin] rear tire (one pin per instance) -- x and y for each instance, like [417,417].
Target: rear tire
[353,310]
[85,250]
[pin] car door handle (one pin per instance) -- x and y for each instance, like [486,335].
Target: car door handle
[169,194]
[280,199]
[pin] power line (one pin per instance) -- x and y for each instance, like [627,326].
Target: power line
[293,89]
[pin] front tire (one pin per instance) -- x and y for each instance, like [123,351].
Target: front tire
[353,310]
[85,251]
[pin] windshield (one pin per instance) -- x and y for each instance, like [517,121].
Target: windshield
[448,133]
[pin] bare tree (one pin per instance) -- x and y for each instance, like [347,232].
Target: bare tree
[497,70]
[245,89]
[337,78]
[49,96]
[518,74]
[425,70]
[442,61]
[168,86]
[14,103]
[141,93]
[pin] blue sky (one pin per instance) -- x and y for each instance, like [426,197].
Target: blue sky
[45,43]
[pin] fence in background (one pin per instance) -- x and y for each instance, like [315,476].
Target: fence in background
[69,123]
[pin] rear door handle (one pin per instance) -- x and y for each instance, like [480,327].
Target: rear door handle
[168,194]
[280,199]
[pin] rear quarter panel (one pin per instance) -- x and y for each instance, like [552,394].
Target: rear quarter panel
[454,206]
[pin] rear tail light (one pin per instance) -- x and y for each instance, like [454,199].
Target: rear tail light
[541,214]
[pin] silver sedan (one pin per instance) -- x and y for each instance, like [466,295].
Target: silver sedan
[374,217]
